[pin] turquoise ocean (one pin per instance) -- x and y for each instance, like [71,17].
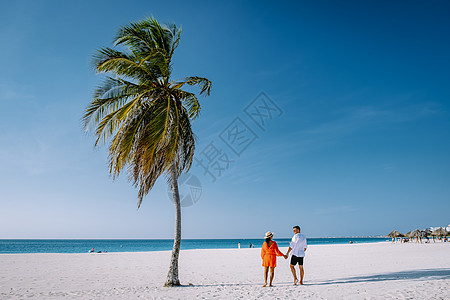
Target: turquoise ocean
[83,246]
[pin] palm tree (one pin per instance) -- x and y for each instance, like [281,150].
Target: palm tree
[144,115]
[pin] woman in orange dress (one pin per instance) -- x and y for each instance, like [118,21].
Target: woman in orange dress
[269,253]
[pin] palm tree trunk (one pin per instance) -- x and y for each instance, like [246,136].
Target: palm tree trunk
[172,277]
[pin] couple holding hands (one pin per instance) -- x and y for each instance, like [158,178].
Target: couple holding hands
[270,251]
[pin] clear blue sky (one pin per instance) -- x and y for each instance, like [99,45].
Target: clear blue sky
[361,146]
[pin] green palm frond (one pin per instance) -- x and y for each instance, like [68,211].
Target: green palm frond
[111,122]
[143,115]
[109,97]
[190,101]
[204,84]
[175,36]
[147,35]
[122,64]
[136,37]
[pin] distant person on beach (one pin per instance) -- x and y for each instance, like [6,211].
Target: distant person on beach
[298,247]
[250,245]
[92,250]
[269,253]
[239,245]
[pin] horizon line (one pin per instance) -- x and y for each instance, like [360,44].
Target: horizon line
[165,239]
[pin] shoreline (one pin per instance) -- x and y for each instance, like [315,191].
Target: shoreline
[187,239]
[114,246]
[183,250]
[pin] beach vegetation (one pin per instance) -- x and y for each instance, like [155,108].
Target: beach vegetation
[145,115]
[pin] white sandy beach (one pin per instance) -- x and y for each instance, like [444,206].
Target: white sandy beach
[358,271]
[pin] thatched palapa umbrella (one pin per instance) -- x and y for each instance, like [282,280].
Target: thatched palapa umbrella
[440,232]
[416,233]
[427,232]
[395,234]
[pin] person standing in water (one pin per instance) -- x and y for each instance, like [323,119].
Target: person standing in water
[298,247]
[269,253]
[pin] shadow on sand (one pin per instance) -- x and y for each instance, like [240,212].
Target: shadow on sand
[428,274]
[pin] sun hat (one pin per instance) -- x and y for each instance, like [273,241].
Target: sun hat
[268,234]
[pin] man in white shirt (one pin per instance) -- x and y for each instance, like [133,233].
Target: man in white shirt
[298,247]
